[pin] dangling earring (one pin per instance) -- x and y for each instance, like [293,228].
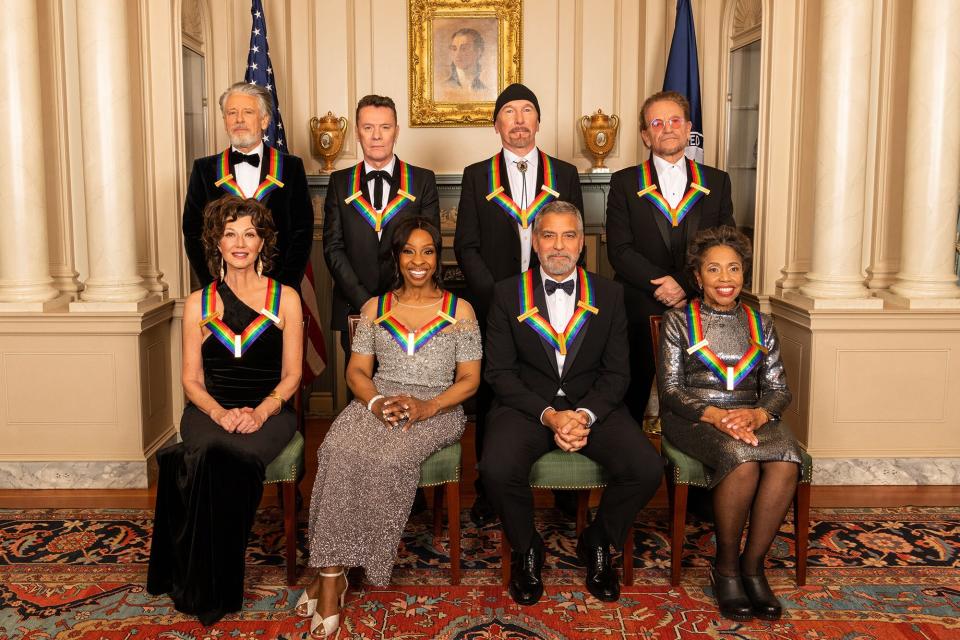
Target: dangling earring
[259,267]
[223,267]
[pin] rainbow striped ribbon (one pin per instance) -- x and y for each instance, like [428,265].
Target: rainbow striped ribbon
[732,375]
[363,206]
[531,314]
[228,183]
[498,193]
[648,190]
[412,341]
[239,343]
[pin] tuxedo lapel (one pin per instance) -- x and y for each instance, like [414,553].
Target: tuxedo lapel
[497,211]
[504,176]
[540,300]
[575,347]
[662,225]
[394,180]
[539,185]
[692,219]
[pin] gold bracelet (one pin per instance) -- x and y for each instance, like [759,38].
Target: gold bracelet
[276,396]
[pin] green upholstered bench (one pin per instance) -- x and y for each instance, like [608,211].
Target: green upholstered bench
[284,471]
[565,470]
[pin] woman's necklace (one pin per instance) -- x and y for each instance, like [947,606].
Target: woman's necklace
[416,306]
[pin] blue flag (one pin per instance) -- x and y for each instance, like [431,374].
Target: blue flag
[683,74]
[260,72]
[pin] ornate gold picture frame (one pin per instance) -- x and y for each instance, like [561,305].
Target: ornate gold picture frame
[462,54]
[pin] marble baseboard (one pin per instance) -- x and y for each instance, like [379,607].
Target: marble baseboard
[886,471]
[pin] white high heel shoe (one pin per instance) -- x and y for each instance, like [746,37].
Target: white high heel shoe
[309,603]
[330,624]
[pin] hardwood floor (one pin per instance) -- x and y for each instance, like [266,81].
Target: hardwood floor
[822,496]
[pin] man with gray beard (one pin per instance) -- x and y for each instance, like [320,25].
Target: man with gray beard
[250,168]
[558,363]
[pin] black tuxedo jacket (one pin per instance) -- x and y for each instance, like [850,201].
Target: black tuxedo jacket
[361,265]
[487,241]
[290,205]
[522,367]
[639,242]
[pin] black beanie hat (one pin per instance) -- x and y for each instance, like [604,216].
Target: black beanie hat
[516,91]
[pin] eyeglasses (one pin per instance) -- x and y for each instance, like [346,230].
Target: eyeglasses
[658,124]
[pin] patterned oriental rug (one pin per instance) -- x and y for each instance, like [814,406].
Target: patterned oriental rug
[874,574]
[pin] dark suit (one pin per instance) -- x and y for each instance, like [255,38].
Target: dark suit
[362,266]
[487,244]
[642,246]
[290,205]
[522,369]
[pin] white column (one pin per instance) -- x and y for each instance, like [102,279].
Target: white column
[25,282]
[932,169]
[104,29]
[835,277]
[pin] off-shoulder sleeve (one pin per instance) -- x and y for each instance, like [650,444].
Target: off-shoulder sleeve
[774,393]
[467,338]
[365,337]
[670,370]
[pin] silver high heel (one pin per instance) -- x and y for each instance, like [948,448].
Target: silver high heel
[330,624]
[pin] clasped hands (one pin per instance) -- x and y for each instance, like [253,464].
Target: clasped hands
[404,410]
[239,419]
[570,428]
[739,424]
[668,292]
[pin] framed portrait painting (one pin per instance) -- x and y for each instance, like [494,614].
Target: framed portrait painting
[462,54]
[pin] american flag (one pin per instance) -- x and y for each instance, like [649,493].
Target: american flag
[260,72]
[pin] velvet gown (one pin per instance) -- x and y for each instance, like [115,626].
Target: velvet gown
[211,483]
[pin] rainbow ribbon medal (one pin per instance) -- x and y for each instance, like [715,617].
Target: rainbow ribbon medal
[412,341]
[363,206]
[732,375]
[531,314]
[648,190]
[228,183]
[239,343]
[498,194]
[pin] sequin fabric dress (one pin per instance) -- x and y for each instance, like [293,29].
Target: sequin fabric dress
[687,386]
[367,474]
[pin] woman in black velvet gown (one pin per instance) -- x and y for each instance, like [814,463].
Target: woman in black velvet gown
[242,349]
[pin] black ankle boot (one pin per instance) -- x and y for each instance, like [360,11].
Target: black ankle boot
[764,601]
[731,598]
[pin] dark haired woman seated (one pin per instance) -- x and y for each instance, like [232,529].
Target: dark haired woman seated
[427,347]
[242,345]
[722,389]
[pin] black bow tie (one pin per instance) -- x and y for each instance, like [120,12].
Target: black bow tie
[552,285]
[378,177]
[237,157]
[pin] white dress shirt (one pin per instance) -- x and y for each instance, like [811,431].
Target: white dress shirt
[247,175]
[523,189]
[673,179]
[560,308]
[367,168]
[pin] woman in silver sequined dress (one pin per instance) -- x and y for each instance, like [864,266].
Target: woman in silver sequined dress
[722,390]
[369,463]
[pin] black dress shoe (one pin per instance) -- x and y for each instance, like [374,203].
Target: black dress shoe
[481,512]
[731,598]
[602,580]
[764,601]
[526,587]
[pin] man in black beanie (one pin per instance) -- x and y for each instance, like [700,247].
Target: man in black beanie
[499,199]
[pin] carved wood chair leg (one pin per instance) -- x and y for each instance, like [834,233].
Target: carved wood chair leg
[505,557]
[290,529]
[628,558]
[453,519]
[438,510]
[678,521]
[583,501]
[801,527]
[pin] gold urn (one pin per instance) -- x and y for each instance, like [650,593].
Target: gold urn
[327,134]
[599,135]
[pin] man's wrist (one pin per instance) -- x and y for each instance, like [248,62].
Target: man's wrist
[543,415]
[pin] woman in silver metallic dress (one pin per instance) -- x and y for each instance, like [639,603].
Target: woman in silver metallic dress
[369,463]
[722,389]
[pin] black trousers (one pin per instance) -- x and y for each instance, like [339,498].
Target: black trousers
[514,442]
[642,370]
